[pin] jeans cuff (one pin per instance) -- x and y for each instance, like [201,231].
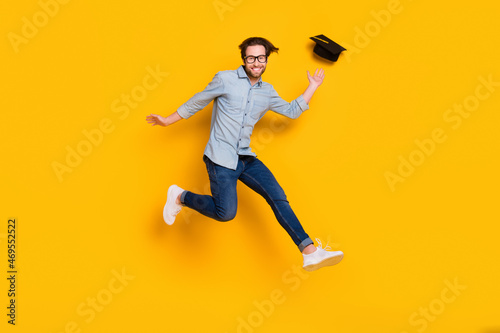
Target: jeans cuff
[304,243]
[183,195]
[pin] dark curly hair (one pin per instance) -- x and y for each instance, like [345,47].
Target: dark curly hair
[270,48]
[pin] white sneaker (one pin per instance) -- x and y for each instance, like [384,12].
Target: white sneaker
[171,208]
[321,258]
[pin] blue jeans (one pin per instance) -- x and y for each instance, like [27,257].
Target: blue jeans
[223,202]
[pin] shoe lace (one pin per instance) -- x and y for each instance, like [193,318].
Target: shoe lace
[320,245]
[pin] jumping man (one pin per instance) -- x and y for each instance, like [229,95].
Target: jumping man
[241,99]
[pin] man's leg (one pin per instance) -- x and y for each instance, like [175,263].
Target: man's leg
[260,179]
[223,202]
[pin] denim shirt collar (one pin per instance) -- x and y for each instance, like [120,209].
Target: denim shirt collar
[243,75]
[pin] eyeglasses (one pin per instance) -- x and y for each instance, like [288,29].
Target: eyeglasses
[251,59]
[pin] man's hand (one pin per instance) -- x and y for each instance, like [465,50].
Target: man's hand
[155,119]
[318,77]
[314,82]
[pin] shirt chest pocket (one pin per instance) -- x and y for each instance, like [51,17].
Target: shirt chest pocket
[259,107]
[234,104]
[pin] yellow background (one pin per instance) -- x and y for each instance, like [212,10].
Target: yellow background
[403,246]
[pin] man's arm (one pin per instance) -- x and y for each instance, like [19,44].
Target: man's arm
[156,119]
[196,103]
[314,82]
[294,109]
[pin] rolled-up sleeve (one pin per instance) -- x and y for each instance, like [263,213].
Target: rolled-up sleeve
[196,103]
[291,110]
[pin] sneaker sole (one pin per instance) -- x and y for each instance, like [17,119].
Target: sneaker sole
[327,262]
[167,217]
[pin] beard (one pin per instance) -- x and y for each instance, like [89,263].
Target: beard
[252,74]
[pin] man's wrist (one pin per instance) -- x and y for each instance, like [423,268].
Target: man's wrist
[314,85]
[168,121]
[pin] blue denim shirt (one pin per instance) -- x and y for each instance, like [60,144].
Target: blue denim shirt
[238,106]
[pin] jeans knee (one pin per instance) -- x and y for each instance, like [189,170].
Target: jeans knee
[278,199]
[225,216]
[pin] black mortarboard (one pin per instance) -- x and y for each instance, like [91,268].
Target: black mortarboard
[327,48]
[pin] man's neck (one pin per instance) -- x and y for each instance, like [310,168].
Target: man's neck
[253,81]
